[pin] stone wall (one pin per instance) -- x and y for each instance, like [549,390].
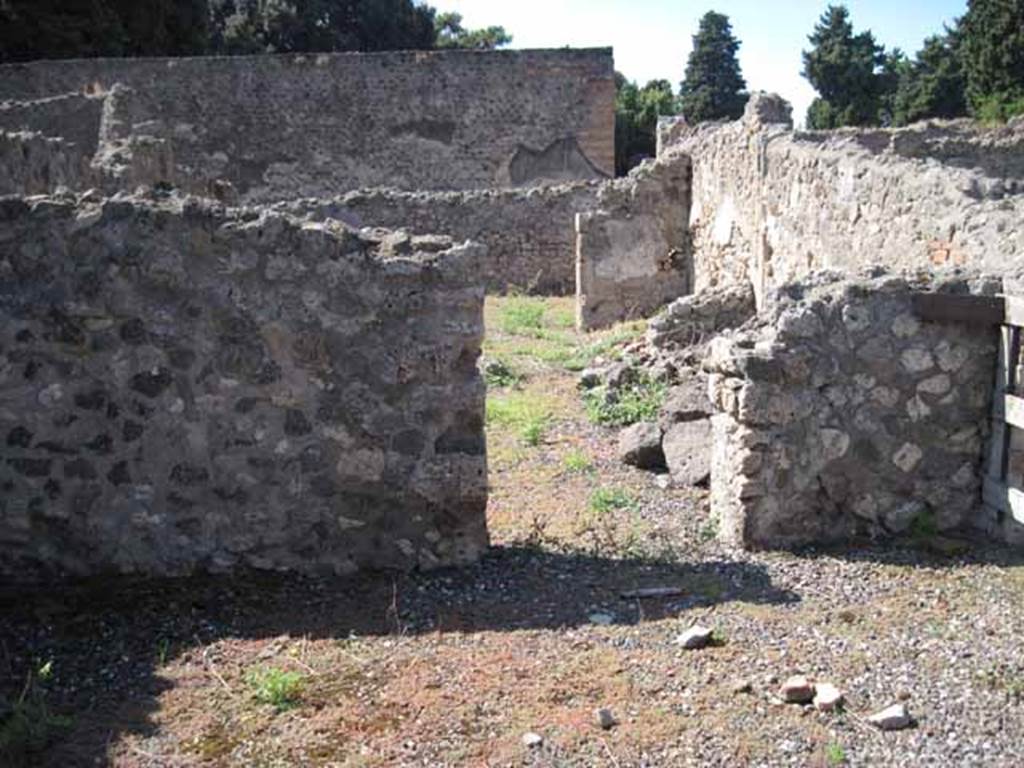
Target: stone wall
[632,250]
[844,413]
[279,127]
[529,234]
[188,387]
[771,205]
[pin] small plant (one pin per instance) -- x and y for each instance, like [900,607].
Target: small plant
[29,726]
[923,527]
[638,400]
[276,687]
[498,373]
[577,462]
[522,316]
[532,431]
[709,530]
[163,650]
[835,754]
[604,500]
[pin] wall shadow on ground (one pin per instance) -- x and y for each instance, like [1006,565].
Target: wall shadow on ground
[107,638]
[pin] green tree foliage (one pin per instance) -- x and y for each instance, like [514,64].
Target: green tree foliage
[714,88]
[843,68]
[54,29]
[451,34]
[992,51]
[932,85]
[636,119]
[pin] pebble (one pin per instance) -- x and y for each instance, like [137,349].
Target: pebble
[532,739]
[827,698]
[742,686]
[797,690]
[605,719]
[693,638]
[892,718]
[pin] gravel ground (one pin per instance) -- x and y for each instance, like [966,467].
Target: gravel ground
[454,668]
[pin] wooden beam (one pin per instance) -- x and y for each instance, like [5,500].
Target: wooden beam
[1010,409]
[961,308]
[1014,314]
[1007,500]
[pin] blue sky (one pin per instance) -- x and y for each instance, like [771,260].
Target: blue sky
[652,38]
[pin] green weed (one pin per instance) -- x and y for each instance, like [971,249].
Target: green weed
[276,687]
[522,315]
[835,754]
[498,373]
[532,432]
[604,500]
[577,462]
[639,400]
[29,726]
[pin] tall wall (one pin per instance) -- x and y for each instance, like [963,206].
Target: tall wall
[279,127]
[633,248]
[846,413]
[187,387]
[529,234]
[771,205]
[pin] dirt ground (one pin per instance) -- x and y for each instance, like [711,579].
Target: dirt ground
[455,667]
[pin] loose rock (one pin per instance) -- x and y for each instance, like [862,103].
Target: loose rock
[605,719]
[892,718]
[797,690]
[687,449]
[827,698]
[694,638]
[640,446]
[532,740]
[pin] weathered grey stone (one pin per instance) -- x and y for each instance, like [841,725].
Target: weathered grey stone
[640,446]
[694,638]
[328,419]
[796,690]
[687,448]
[892,718]
[686,401]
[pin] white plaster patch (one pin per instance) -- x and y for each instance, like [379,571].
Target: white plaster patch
[835,443]
[725,220]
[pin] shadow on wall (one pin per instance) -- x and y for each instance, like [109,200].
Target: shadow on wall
[562,160]
[107,644]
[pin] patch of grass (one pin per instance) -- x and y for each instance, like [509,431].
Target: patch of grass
[532,432]
[604,500]
[923,527]
[639,400]
[709,530]
[835,754]
[30,726]
[577,462]
[498,374]
[522,315]
[277,687]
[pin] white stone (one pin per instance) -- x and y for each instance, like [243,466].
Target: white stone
[917,359]
[939,384]
[50,395]
[907,457]
[905,326]
[694,638]
[891,718]
[835,443]
[827,698]
[532,740]
[886,396]
[917,409]
[797,690]
[951,358]
[601,619]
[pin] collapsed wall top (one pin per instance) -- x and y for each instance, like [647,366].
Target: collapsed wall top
[275,127]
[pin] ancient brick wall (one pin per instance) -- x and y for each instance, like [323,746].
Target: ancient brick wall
[846,413]
[187,387]
[279,127]
[529,234]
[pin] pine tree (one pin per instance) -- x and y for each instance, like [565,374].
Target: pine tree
[933,84]
[714,88]
[842,68]
[992,51]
